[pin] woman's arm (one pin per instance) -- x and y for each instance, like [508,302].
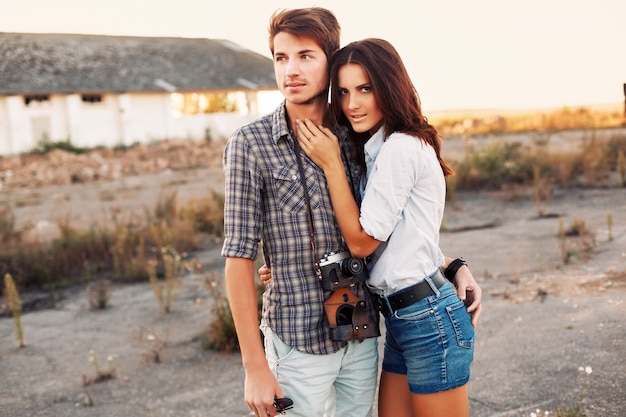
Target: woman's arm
[322,146]
[467,289]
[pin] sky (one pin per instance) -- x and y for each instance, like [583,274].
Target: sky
[461,54]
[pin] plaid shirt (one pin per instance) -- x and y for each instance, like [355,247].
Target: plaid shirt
[264,201]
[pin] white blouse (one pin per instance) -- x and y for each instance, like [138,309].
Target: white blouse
[403,207]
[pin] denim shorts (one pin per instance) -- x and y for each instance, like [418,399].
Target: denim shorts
[430,341]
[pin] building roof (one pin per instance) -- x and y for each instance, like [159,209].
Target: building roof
[67,63]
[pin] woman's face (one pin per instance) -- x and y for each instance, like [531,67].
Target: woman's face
[357,99]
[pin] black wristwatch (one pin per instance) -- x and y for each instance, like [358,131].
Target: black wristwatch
[452,269]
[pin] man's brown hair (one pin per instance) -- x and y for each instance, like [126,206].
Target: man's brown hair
[318,23]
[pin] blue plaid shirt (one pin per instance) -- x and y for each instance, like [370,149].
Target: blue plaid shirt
[264,201]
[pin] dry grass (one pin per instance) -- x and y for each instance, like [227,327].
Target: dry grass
[474,123]
[118,249]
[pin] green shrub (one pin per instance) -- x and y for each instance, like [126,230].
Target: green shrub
[45,147]
[500,164]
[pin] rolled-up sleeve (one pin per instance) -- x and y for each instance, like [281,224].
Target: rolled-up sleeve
[242,217]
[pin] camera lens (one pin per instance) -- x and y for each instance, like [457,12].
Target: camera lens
[344,314]
[351,266]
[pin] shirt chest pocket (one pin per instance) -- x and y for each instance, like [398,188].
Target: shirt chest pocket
[289,189]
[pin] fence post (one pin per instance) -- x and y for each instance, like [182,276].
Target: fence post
[624,122]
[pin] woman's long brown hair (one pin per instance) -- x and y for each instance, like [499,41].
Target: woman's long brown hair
[393,90]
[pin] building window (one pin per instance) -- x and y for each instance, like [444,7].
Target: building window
[35,98]
[91,98]
[199,103]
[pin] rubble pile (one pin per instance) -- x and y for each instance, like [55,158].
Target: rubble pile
[60,167]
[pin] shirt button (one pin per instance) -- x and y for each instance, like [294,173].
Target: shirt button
[294,177]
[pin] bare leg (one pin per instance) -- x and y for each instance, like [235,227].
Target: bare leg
[452,403]
[394,397]
[395,400]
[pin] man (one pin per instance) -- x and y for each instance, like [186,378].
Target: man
[265,201]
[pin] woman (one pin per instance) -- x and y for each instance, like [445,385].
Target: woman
[429,335]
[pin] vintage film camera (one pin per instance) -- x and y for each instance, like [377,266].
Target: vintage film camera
[350,317]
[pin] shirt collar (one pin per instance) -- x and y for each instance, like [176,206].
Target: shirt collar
[280,127]
[372,148]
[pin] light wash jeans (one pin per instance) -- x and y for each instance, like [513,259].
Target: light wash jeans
[342,384]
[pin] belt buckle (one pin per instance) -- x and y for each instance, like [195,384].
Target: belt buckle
[383,304]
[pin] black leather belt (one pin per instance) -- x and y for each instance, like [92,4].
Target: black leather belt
[410,295]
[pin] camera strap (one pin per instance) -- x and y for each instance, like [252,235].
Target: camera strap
[307,201]
[297,151]
[363,316]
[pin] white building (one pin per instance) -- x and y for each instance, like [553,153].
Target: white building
[111,90]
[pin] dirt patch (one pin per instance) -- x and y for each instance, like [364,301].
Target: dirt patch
[546,324]
[61,167]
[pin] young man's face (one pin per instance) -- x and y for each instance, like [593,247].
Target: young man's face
[301,68]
